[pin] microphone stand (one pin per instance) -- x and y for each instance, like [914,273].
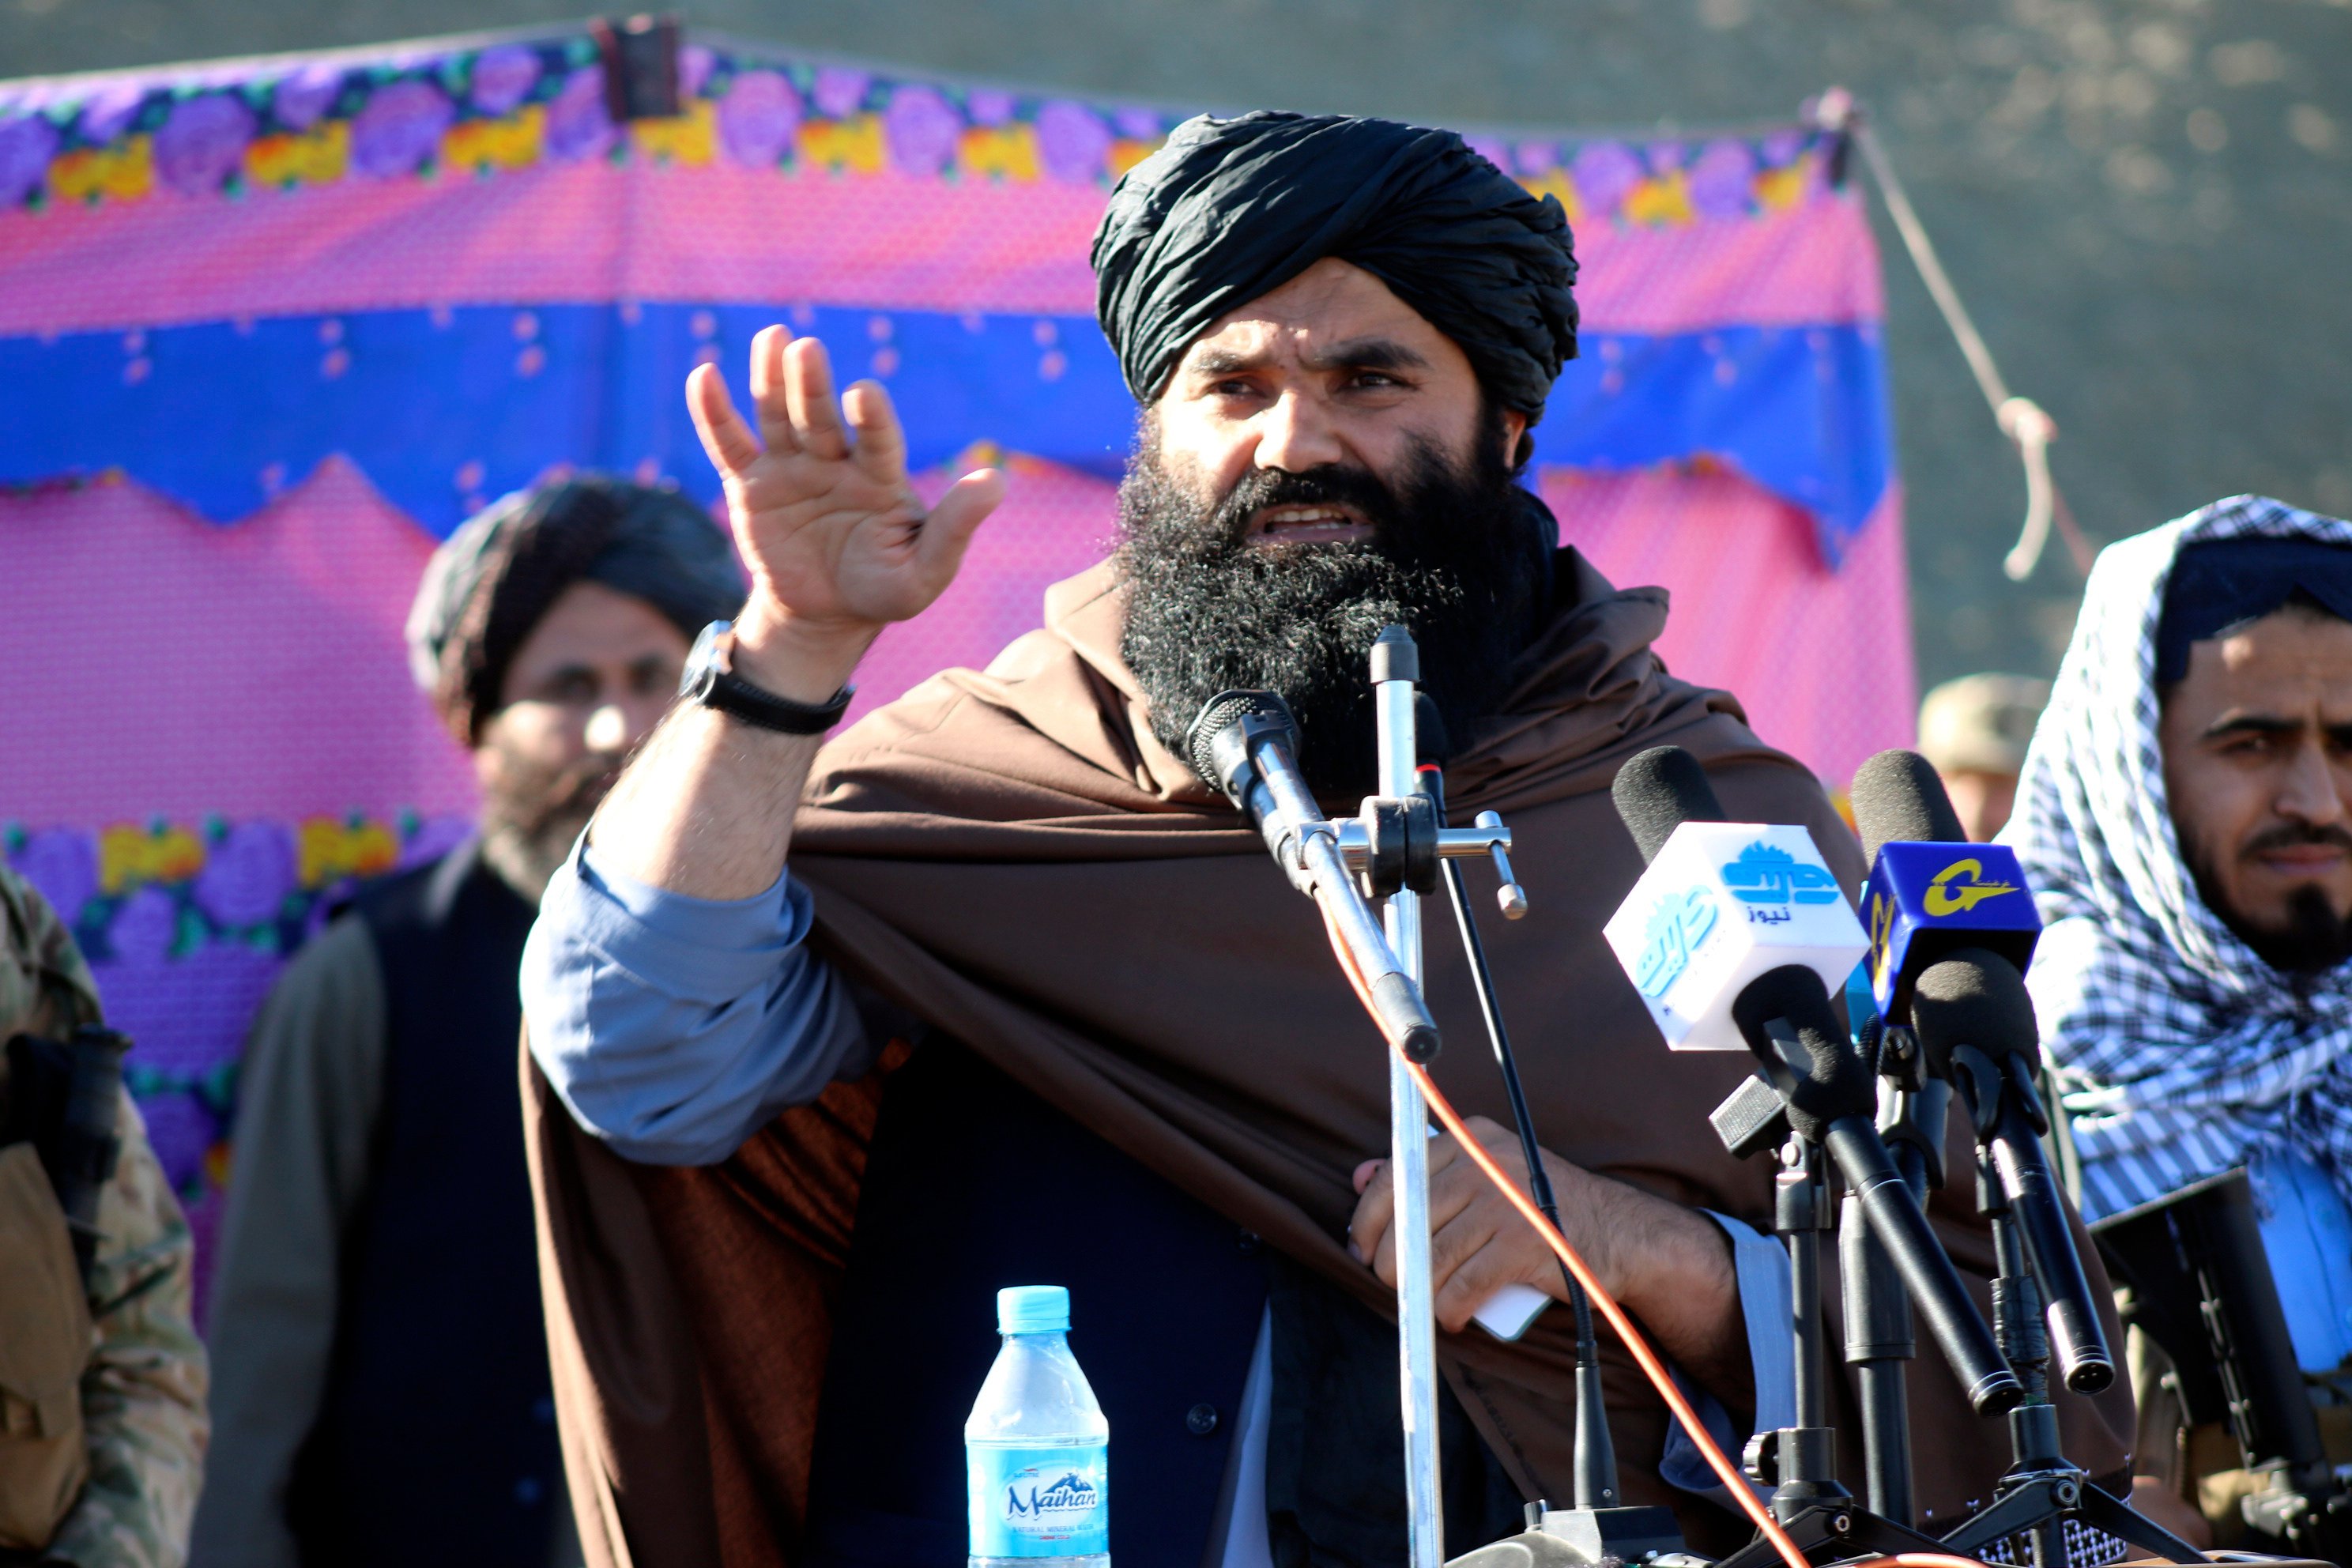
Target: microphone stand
[1598,1526]
[1878,1329]
[1396,672]
[1803,1053]
[1246,743]
[2042,1490]
[1800,1461]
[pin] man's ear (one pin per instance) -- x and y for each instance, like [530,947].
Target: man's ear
[1517,441]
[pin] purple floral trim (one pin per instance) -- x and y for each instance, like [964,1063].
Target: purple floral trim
[302,100]
[989,107]
[921,130]
[144,928]
[1072,141]
[401,127]
[841,92]
[247,874]
[62,866]
[695,64]
[759,117]
[1723,179]
[26,145]
[399,107]
[202,142]
[502,78]
[1604,173]
[578,125]
[107,115]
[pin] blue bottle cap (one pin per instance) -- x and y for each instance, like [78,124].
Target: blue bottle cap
[1033,1309]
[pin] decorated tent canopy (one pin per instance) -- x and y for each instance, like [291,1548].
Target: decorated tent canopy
[268,328]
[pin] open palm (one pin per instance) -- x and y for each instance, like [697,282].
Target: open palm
[833,535]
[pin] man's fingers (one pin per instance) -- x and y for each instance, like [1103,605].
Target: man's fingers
[1370,1224]
[947,530]
[729,441]
[881,449]
[808,396]
[768,389]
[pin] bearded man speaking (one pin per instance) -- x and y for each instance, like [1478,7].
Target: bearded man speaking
[1030,1005]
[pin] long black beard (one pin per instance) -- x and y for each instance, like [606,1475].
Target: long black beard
[1453,557]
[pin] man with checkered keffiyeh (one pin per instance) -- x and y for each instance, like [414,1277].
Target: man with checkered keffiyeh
[2184,817]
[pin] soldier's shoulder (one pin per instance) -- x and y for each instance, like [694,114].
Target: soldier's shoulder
[45,983]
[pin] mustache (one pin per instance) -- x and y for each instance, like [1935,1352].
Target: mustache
[567,795]
[1330,484]
[2292,835]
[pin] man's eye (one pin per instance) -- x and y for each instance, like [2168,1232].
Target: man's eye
[1376,380]
[1231,389]
[572,690]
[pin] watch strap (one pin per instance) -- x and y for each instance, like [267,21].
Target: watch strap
[737,698]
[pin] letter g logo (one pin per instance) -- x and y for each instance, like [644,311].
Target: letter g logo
[1957,890]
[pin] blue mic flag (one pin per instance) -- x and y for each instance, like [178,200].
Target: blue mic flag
[1924,900]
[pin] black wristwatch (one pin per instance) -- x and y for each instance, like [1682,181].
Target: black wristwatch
[709,682]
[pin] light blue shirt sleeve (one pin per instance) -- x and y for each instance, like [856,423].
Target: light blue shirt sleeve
[2306,1230]
[1764,1303]
[674,1028]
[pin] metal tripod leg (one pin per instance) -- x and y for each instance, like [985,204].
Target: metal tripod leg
[1829,1532]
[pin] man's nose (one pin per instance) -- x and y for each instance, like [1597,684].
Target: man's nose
[1295,435]
[2310,791]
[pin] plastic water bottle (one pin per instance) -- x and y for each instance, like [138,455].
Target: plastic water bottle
[1037,1447]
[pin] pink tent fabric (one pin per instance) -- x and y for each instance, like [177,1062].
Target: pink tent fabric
[212,729]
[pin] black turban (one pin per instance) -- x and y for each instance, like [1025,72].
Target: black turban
[2218,584]
[486,587]
[1231,210]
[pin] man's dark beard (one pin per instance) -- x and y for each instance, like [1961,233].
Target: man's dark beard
[532,814]
[1452,557]
[2315,939]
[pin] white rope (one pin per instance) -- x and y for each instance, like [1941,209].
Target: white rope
[2028,426]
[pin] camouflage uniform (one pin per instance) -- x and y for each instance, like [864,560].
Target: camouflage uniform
[142,1394]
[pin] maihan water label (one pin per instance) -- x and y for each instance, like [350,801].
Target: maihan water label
[1040,1502]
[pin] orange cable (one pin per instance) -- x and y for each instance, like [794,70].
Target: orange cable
[1652,1367]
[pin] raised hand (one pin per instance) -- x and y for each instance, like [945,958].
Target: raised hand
[838,544]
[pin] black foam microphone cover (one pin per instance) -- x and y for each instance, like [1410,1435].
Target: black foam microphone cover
[1832,1081]
[1974,997]
[1898,799]
[1660,790]
[1221,713]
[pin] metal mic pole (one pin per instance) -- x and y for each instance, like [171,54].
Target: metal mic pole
[1396,672]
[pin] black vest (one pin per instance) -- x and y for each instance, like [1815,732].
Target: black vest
[436,1436]
[973,1183]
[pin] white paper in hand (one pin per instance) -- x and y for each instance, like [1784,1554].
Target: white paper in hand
[1722,903]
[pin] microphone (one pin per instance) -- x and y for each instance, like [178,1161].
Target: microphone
[1930,892]
[1963,914]
[1832,1097]
[1245,744]
[1976,1027]
[1720,903]
[1779,1009]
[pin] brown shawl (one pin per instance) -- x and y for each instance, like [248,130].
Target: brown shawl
[1011,855]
